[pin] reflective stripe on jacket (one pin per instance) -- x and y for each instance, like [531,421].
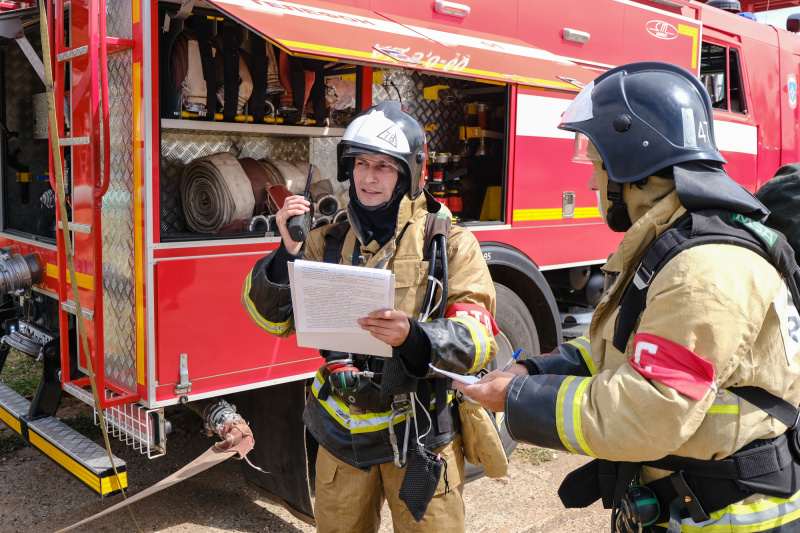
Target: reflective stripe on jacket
[460,344]
[721,302]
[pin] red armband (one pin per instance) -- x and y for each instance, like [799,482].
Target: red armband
[673,365]
[476,311]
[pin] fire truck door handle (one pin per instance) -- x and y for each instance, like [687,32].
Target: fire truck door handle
[444,7]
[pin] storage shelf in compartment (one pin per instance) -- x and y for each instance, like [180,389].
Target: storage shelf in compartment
[269,129]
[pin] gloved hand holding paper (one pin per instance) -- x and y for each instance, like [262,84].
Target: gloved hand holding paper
[329,299]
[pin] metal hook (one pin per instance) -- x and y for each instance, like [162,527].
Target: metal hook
[399,407]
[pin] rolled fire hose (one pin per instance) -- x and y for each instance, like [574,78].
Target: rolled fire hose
[327,204]
[322,193]
[260,180]
[316,178]
[277,195]
[292,176]
[258,224]
[215,191]
[321,221]
[340,216]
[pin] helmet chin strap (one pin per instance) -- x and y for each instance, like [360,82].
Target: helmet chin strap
[618,218]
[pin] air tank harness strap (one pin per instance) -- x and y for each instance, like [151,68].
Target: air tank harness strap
[701,227]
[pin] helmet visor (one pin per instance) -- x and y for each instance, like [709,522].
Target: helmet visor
[385,163]
[585,152]
[581,107]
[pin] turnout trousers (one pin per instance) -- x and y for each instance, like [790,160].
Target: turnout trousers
[354,501]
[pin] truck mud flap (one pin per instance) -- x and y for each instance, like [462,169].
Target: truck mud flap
[77,454]
[275,416]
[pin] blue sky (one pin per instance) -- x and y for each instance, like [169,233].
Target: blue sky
[777,17]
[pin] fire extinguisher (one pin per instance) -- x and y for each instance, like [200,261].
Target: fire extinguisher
[454,200]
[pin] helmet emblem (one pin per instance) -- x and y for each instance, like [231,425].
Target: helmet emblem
[389,136]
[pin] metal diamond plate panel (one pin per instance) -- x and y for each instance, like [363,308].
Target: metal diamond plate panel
[79,447]
[13,402]
[322,153]
[118,18]
[181,147]
[119,304]
[23,211]
[441,117]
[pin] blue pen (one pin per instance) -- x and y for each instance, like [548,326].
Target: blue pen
[512,360]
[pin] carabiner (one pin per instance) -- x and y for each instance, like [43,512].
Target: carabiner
[401,407]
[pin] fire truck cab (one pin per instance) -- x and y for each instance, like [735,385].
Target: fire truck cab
[150,97]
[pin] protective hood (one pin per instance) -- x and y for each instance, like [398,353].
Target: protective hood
[703,185]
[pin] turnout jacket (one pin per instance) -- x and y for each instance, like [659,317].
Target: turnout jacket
[462,342]
[713,319]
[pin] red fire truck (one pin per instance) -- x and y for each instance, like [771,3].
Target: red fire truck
[160,299]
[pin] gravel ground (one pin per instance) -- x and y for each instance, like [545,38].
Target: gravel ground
[36,495]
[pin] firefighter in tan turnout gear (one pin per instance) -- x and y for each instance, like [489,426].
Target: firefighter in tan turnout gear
[687,340]
[359,407]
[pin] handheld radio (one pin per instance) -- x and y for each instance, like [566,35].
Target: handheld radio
[300,225]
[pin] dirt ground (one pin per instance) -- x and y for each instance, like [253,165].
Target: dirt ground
[36,495]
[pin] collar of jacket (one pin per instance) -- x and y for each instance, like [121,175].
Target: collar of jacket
[410,211]
[644,231]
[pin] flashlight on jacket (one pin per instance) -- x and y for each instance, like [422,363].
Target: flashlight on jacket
[300,225]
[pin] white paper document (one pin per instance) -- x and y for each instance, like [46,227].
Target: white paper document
[469,380]
[329,299]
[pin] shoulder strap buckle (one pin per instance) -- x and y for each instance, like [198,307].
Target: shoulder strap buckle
[642,278]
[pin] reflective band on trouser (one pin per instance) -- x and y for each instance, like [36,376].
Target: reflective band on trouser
[568,415]
[276,328]
[726,403]
[365,423]
[770,515]
[583,346]
[479,337]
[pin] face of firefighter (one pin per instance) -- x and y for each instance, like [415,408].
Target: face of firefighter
[374,177]
[598,181]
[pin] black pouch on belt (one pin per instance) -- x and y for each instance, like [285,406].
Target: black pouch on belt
[421,479]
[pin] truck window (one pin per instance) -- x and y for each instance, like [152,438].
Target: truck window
[738,104]
[28,200]
[720,72]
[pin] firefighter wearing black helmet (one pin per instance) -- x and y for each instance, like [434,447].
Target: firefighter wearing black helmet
[658,395]
[382,154]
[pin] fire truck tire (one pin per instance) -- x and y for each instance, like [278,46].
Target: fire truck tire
[517,330]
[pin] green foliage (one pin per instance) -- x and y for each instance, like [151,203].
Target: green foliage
[21,373]
[535,455]
[11,442]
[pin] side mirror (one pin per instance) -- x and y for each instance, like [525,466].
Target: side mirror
[793,23]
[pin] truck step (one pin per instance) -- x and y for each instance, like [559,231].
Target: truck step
[77,454]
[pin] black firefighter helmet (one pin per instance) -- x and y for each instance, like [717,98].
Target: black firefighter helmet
[386,129]
[644,117]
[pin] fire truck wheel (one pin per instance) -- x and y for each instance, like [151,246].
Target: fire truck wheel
[517,330]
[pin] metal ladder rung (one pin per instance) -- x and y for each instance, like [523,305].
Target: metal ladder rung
[74,226]
[73,141]
[69,307]
[72,54]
